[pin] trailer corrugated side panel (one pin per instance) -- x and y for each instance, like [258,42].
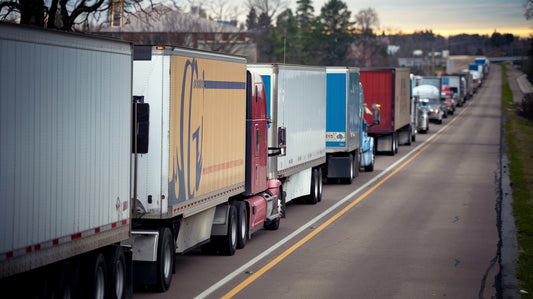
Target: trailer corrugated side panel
[302,110]
[65,143]
[301,103]
[378,88]
[208,144]
[196,159]
[402,98]
[343,110]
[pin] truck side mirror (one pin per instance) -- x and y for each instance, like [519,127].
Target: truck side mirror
[377,117]
[282,144]
[282,140]
[140,125]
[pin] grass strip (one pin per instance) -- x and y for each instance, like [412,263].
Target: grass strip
[518,137]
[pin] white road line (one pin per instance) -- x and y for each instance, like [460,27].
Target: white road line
[306,226]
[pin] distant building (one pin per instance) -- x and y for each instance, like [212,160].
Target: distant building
[167,26]
[416,62]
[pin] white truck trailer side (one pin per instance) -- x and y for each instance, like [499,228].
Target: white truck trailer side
[114,160]
[65,128]
[296,97]
[192,182]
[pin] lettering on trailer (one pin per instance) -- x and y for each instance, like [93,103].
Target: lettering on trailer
[189,133]
[189,128]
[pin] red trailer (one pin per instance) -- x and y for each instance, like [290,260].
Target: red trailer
[390,88]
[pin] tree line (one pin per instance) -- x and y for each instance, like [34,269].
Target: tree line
[334,36]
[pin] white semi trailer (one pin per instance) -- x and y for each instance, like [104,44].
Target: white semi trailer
[296,97]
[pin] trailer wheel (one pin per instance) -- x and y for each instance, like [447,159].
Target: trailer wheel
[165,259]
[397,144]
[98,276]
[356,162]
[349,179]
[394,144]
[242,224]
[228,243]
[66,280]
[409,135]
[117,272]
[319,181]
[312,198]
[371,166]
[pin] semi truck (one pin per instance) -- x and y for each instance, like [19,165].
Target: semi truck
[114,160]
[485,63]
[458,63]
[476,71]
[346,127]
[389,88]
[467,83]
[296,101]
[368,155]
[430,100]
[457,87]
[428,80]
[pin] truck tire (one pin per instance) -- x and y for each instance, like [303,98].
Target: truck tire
[117,272]
[394,144]
[314,195]
[356,163]
[371,166]
[97,276]
[165,259]
[349,179]
[228,244]
[409,135]
[67,280]
[319,181]
[242,224]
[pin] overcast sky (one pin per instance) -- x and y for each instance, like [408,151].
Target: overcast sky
[444,17]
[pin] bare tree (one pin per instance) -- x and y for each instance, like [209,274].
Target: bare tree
[63,14]
[223,10]
[528,9]
[366,20]
[271,7]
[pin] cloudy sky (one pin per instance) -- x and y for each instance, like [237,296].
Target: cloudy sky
[444,16]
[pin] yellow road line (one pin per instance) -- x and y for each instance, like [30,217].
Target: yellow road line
[298,244]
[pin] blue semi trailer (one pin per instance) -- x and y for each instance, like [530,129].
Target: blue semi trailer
[348,147]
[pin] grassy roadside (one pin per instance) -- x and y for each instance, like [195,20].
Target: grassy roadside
[518,136]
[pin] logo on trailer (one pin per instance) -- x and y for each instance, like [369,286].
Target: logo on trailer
[188,157]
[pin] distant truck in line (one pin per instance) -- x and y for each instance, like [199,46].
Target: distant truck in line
[476,71]
[485,63]
[458,63]
[348,147]
[296,97]
[389,88]
[457,87]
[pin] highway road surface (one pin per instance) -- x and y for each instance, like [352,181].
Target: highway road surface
[423,224]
